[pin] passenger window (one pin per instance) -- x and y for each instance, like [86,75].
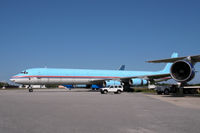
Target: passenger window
[111,86]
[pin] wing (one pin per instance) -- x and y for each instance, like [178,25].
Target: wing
[195,58]
[150,77]
[155,78]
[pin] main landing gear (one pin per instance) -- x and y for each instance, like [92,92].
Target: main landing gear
[179,91]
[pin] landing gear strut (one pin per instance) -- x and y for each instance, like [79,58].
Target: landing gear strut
[179,91]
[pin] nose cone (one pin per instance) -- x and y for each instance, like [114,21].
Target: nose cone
[13,80]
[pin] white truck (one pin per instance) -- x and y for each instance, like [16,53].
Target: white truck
[117,89]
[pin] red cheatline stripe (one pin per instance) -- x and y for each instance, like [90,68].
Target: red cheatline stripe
[65,76]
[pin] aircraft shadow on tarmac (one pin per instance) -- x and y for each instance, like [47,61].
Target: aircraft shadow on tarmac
[66,91]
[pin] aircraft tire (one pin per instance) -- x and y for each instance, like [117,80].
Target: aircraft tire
[30,90]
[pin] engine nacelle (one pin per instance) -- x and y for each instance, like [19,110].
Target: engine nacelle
[111,82]
[182,71]
[138,81]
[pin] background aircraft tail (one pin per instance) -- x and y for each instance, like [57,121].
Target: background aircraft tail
[168,66]
[122,67]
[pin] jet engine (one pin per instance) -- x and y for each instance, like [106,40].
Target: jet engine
[137,81]
[182,71]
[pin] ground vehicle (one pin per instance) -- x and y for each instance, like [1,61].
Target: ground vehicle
[163,89]
[112,88]
[166,89]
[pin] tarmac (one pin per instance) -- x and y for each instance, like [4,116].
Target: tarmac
[81,111]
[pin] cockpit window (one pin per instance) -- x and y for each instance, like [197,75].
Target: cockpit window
[24,72]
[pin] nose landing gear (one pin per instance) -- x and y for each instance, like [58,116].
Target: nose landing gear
[30,88]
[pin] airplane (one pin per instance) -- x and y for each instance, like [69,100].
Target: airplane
[181,69]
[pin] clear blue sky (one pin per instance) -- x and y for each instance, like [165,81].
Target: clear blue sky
[96,34]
